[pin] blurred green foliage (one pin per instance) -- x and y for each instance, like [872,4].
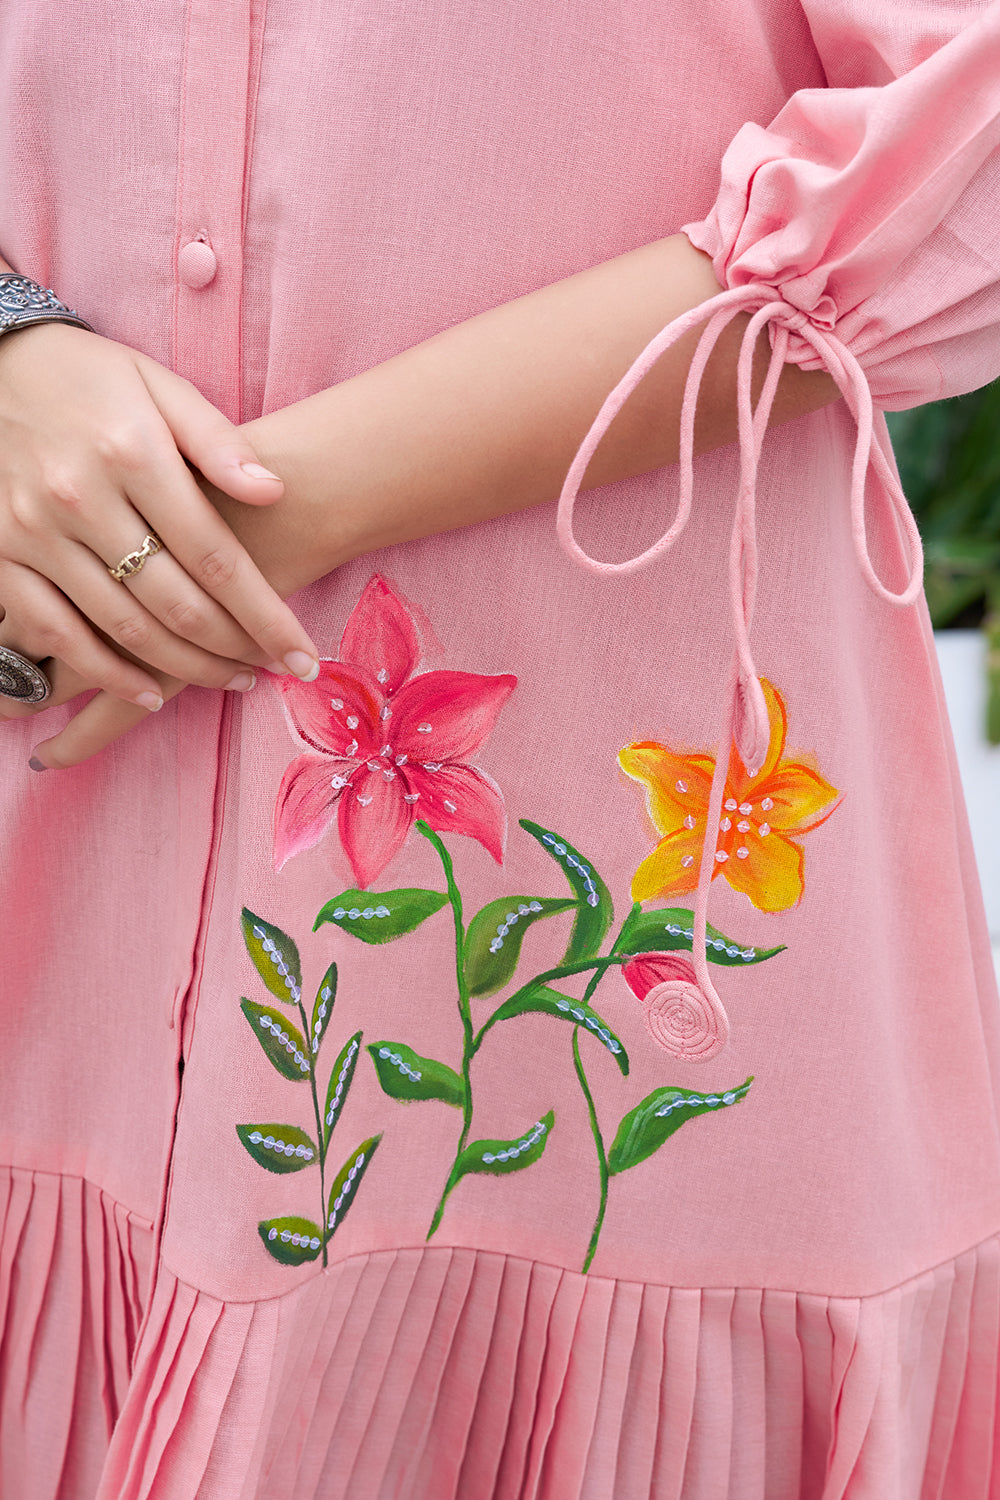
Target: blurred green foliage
[949,459]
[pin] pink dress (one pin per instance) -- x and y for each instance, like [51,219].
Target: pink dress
[394,1105]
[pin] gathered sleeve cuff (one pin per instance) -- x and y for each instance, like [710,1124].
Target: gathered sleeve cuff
[874,211]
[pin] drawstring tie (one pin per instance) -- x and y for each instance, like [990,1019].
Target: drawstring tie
[745,722]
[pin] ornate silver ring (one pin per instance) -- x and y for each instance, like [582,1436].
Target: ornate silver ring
[20,679]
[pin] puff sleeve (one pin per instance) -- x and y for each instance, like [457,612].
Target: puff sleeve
[872,206]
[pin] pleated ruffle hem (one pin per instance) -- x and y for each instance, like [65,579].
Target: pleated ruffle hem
[427,1374]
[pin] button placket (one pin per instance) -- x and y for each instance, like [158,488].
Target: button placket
[212,147]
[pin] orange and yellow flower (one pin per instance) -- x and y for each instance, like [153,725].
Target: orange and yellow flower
[762,817]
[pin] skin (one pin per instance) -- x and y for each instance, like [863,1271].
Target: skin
[478,421]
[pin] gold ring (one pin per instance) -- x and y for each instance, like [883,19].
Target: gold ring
[134,562]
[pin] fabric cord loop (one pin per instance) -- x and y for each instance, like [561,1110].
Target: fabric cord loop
[744,724]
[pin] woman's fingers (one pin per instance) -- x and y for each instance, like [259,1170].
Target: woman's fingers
[213,445]
[98,724]
[40,622]
[104,605]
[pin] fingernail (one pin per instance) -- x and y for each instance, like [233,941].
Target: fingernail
[304,666]
[152,701]
[34,764]
[241,683]
[257,471]
[277,667]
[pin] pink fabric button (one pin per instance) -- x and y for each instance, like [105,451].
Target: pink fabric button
[196,264]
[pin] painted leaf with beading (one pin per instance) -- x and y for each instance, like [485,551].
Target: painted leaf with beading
[657,1117]
[284,1044]
[279,1148]
[493,941]
[275,957]
[594,908]
[548,1002]
[380,916]
[347,1182]
[292,1241]
[340,1083]
[671,928]
[499,1158]
[322,1006]
[405,1075]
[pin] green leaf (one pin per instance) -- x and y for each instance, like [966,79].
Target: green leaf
[284,1043]
[291,1241]
[549,1002]
[340,1082]
[275,957]
[672,927]
[380,916]
[405,1075]
[645,1128]
[493,941]
[500,1157]
[346,1184]
[322,1006]
[595,911]
[279,1148]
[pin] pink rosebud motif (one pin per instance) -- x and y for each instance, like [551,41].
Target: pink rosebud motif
[386,745]
[680,1017]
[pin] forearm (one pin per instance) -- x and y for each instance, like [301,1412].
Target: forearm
[485,417]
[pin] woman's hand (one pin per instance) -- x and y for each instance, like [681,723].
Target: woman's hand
[93,438]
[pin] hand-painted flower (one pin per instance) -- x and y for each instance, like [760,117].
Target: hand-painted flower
[764,811]
[680,1017]
[385,746]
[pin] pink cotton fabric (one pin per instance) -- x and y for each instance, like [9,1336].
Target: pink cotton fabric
[591,1247]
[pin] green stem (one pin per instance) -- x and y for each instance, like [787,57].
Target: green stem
[581,1073]
[464,1011]
[321,1147]
[602,1156]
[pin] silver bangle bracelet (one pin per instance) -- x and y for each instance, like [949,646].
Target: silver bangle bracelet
[24,302]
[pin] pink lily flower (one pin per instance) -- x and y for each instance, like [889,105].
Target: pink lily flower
[386,747]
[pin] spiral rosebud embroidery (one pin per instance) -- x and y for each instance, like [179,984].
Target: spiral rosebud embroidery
[680,1017]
